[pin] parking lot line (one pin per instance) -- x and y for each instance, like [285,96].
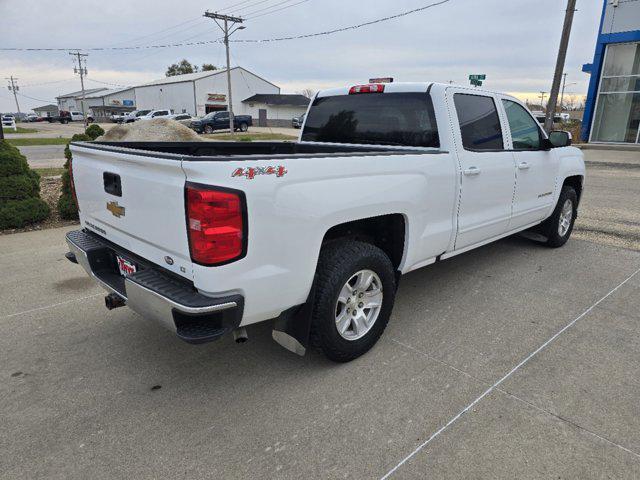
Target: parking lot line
[46,307]
[493,387]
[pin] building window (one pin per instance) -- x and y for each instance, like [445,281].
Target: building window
[617,117]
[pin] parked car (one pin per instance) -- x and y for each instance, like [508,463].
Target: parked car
[209,237]
[9,121]
[154,114]
[183,118]
[132,116]
[31,117]
[297,122]
[117,117]
[220,121]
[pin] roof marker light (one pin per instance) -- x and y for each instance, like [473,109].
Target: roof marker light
[369,88]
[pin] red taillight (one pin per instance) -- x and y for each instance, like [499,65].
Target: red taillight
[217,232]
[72,184]
[369,88]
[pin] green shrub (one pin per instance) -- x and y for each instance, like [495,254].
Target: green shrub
[94,131]
[20,202]
[67,207]
[18,213]
[19,187]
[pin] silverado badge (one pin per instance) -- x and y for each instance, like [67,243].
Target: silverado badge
[115,209]
[251,172]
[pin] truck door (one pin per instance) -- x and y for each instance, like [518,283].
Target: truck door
[487,169]
[221,121]
[535,168]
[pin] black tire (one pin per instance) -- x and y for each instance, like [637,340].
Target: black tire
[550,227]
[244,127]
[208,129]
[338,262]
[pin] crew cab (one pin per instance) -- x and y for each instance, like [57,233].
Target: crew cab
[220,121]
[151,114]
[209,237]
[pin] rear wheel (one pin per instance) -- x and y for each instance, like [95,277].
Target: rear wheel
[354,296]
[558,227]
[208,129]
[244,127]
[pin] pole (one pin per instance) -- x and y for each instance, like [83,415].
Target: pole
[225,29]
[562,56]
[14,88]
[226,45]
[83,71]
[542,94]
[564,84]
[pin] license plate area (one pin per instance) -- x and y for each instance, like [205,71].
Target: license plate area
[125,266]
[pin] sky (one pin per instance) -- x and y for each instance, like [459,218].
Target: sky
[513,42]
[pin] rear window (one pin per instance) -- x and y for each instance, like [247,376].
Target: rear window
[404,119]
[479,122]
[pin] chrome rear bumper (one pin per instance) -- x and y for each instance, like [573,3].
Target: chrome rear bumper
[156,294]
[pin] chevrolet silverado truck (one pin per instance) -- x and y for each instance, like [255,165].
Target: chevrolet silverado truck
[207,238]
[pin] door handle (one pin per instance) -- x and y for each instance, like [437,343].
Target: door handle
[524,166]
[471,171]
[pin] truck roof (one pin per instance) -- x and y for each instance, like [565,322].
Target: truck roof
[399,87]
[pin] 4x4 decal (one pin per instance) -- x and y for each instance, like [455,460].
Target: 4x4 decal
[251,172]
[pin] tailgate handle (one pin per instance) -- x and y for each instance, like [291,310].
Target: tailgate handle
[112,183]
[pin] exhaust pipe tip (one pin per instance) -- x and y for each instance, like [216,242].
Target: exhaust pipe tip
[240,335]
[112,301]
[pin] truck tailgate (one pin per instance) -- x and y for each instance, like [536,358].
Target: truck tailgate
[136,202]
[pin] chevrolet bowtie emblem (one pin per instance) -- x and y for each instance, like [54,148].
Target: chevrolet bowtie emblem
[115,209]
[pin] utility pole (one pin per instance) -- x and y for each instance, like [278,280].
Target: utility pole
[14,88]
[227,23]
[562,55]
[542,94]
[82,71]
[564,84]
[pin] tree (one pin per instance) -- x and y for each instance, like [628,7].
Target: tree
[184,66]
[307,92]
[67,207]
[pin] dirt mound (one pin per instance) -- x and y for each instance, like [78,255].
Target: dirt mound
[157,130]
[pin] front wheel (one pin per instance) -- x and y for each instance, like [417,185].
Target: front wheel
[208,129]
[558,227]
[354,296]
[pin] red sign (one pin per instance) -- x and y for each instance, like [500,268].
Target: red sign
[216,97]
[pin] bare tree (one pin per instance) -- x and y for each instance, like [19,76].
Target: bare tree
[307,92]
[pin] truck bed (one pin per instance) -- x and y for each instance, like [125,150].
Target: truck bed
[221,151]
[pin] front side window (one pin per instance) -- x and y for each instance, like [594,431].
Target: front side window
[479,122]
[525,133]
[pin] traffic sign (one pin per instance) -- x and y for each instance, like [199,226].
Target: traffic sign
[481,76]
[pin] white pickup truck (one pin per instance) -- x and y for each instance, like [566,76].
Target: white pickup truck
[209,237]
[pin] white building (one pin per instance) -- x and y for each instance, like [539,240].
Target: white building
[107,102]
[202,92]
[275,110]
[72,101]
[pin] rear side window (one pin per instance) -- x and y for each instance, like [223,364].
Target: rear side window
[479,122]
[525,132]
[405,119]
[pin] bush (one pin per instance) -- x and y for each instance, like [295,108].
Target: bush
[94,131]
[20,202]
[67,207]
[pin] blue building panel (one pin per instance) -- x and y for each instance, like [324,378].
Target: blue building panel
[619,15]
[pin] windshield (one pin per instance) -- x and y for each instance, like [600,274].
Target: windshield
[142,112]
[405,119]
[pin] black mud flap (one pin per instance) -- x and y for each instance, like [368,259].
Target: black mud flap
[293,327]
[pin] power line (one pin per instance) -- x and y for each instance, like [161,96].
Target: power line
[107,83]
[159,31]
[262,9]
[344,29]
[231,6]
[276,10]
[251,5]
[266,40]
[34,98]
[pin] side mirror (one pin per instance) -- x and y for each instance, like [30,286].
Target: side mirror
[559,139]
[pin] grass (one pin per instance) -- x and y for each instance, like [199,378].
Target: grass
[28,142]
[249,137]
[50,172]
[20,130]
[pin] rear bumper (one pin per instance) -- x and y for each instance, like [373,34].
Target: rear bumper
[157,294]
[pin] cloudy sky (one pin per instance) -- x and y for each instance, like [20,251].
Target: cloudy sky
[514,42]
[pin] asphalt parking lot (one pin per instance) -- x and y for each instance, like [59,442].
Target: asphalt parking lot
[511,361]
